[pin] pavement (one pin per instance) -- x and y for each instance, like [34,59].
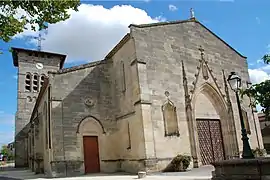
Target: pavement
[203,173]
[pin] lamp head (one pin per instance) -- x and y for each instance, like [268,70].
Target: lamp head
[234,81]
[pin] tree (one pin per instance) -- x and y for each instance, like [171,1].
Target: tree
[15,15]
[260,93]
[4,150]
[7,152]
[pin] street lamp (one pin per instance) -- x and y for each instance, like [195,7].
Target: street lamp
[235,83]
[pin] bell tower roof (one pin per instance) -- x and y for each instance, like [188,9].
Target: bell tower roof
[16,51]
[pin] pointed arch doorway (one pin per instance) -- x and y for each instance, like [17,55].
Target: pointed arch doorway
[215,134]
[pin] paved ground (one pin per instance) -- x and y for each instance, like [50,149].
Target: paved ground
[203,173]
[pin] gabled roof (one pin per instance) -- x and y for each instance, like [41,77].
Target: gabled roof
[184,21]
[16,50]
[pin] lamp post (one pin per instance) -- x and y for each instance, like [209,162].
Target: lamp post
[235,83]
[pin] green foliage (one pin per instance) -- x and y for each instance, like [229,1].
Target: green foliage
[260,93]
[258,152]
[37,12]
[179,163]
[266,59]
[6,151]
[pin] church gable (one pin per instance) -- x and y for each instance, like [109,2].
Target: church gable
[188,26]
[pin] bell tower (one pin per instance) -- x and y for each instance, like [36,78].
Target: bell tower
[33,67]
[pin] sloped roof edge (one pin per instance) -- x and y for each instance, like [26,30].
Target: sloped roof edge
[78,67]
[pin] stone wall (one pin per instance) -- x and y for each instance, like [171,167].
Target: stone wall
[43,146]
[162,49]
[126,94]
[76,95]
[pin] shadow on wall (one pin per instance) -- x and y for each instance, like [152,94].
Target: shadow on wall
[95,87]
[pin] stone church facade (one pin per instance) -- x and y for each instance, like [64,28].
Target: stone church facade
[160,92]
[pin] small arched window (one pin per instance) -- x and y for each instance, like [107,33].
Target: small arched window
[35,83]
[28,82]
[42,78]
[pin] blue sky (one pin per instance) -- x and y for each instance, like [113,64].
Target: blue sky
[244,24]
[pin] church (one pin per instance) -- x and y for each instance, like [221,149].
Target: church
[160,92]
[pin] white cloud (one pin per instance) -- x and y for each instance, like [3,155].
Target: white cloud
[93,31]
[266,68]
[258,75]
[9,137]
[7,122]
[172,7]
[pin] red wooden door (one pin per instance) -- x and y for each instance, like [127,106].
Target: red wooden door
[91,154]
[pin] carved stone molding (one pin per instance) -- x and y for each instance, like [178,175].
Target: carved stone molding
[206,73]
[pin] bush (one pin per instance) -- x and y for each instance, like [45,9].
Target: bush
[258,152]
[178,164]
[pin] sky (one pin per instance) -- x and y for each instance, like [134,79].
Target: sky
[91,32]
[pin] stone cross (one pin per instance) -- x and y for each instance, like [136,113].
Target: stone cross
[192,16]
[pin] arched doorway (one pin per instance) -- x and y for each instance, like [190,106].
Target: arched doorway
[89,132]
[212,124]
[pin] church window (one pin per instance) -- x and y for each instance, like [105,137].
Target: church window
[28,82]
[49,119]
[33,138]
[46,124]
[42,77]
[35,83]
[129,139]
[170,119]
[123,80]
[246,123]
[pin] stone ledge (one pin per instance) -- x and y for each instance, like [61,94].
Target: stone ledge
[242,169]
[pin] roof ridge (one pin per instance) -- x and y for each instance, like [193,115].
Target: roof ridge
[162,23]
[78,67]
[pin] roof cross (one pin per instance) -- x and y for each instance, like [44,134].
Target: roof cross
[39,38]
[192,16]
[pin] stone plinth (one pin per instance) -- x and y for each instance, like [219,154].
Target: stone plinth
[242,169]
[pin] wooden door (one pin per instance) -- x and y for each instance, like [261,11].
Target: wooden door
[210,140]
[91,154]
